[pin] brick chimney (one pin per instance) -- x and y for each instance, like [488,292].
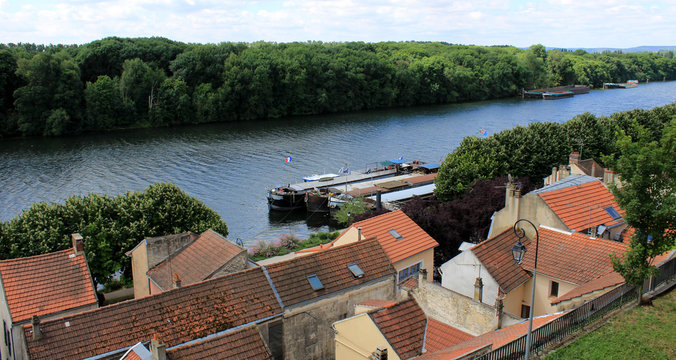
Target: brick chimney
[37,332]
[478,289]
[574,158]
[78,243]
[158,350]
[499,312]
[177,281]
[379,354]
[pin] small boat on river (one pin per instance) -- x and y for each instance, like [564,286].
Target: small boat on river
[554,95]
[625,85]
[546,93]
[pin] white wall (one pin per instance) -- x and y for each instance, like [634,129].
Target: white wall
[460,273]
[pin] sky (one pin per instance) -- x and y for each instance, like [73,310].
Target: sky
[555,23]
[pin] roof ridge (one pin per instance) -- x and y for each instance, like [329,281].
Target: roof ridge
[32,257]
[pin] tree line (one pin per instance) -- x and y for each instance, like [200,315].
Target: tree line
[110,226]
[147,82]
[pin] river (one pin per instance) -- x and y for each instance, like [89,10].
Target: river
[230,166]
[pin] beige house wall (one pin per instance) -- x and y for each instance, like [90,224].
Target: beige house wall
[426,258]
[531,207]
[348,237]
[543,301]
[6,317]
[307,326]
[357,337]
[139,268]
[512,301]
[575,302]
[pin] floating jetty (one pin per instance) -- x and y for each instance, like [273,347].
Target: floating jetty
[558,92]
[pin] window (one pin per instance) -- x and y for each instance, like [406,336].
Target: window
[612,212]
[410,271]
[554,289]
[525,311]
[395,234]
[356,270]
[315,283]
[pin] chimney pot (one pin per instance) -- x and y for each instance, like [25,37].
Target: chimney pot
[37,332]
[478,289]
[78,243]
[177,281]
[359,233]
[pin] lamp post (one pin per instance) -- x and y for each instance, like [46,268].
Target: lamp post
[517,252]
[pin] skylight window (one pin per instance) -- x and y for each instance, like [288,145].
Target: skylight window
[356,270]
[613,213]
[395,234]
[315,283]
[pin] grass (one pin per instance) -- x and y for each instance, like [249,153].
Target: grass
[645,332]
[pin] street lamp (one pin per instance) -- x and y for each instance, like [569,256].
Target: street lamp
[517,252]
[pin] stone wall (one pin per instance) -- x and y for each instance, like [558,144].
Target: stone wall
[238,263]
[458,310]
[308,333]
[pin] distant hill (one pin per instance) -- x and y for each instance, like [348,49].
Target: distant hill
[627,50]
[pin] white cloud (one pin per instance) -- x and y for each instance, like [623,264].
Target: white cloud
[565,23]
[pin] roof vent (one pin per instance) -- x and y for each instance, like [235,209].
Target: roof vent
[395,234]
[315,283]
[356,271]
[612,212]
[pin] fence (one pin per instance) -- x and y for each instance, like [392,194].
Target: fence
[587,313]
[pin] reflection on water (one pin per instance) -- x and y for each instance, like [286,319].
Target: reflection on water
[230,166]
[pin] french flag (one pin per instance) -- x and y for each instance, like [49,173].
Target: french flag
[288,159]
[401,158]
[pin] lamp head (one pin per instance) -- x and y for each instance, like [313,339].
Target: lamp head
[518,251]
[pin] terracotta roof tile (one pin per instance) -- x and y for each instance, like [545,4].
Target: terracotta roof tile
[403,325]
[609,280]
[496,338]
[291,277]
[196,261]
[414,239]
[176,316]
[496,256]
[46,284]
[583,206]
[571,257]
[410,283]
[237,345]
[442,336]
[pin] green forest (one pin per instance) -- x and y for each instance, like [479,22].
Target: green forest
[118,83]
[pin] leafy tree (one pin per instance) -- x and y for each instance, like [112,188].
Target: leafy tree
[350,209]
[8,83]
[139,84]
[52,82]
[173,104]
[104,105]
[110,226]
[647,170]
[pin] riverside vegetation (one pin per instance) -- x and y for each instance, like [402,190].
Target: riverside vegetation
[147,82]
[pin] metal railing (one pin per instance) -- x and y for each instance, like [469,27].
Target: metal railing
[578,318]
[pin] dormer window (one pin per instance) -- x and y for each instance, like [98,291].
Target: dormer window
[356,270]
[315,283]
[395,234]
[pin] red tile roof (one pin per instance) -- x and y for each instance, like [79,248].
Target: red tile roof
[582,206]
[496,338]
[571,257]
[606,281]
[442,336]
[242,344]
[496,256]
[176,316]
[410,283]
[46,284]
[414,239]
[291,277]
[403,325]
[196,261]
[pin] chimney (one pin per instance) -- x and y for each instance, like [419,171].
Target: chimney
[378,201]
[379,354]
[177,281]
[359,233]
[78,243]
[499,307]
[37,332]
[158,350]
[574,158]
[478,289]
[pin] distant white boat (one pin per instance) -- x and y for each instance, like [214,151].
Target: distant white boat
[322,177]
